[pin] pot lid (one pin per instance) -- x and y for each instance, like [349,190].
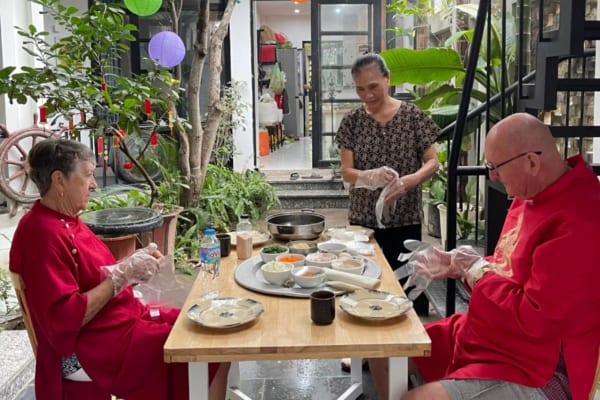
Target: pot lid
[122,220]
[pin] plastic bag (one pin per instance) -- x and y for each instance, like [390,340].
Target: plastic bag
[277,83]
[267,110]
[164,289]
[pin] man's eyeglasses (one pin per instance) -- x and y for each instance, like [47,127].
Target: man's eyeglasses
[492,168]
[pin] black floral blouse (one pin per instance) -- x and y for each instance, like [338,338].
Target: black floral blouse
[400,145]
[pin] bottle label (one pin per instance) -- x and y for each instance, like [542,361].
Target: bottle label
[210,254]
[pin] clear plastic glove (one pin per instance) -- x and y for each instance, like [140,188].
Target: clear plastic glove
[428,263]
[393,191]
[137,268]
[383,209]
[373,179]
[439,264]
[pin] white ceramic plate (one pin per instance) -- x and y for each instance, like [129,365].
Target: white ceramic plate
[258,238]
[374,304]
[225,312]
[348,232]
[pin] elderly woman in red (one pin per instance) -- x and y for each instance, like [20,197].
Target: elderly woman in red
[94,337]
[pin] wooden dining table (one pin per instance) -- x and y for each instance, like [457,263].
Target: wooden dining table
[285,332]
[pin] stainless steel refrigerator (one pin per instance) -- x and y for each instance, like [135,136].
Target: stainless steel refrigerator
[291,62]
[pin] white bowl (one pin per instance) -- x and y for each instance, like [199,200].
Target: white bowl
[308,276]
[266,257]
[292,258]
[352,265]
[302,246]
[331,247]
[277,273]
[319,259]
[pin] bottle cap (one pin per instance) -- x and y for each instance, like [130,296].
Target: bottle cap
[244,216]
[209,231]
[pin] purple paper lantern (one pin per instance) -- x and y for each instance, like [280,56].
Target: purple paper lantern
[166,49]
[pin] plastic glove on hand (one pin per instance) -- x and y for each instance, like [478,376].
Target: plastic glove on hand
[373,179]
[394,191]
[462,259]
[137,268]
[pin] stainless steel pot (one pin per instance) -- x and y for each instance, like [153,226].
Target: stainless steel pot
[296,225]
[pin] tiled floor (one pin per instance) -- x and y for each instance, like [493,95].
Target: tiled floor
[292,155]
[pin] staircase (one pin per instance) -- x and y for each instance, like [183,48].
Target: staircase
[308,189]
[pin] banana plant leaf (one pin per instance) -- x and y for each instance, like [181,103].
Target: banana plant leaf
[420,67]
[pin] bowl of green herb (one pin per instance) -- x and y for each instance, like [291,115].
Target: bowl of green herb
[270,253]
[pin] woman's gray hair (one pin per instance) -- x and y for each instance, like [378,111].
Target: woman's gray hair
[367,60]
[51,155]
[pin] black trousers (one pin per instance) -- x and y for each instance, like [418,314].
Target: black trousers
[391,241]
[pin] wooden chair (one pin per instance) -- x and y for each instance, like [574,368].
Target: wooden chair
[87,389]
[19,286]
[596,379]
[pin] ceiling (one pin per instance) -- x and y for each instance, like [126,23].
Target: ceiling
[282,8]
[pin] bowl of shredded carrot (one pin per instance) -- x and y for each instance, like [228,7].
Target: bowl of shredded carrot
[292,258]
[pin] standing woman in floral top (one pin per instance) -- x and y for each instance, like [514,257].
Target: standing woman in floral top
[386,143]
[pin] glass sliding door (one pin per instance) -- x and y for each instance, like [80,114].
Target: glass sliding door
[341,31]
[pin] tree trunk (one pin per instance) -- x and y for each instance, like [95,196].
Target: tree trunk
[201,141]
[215,108]
[191,196]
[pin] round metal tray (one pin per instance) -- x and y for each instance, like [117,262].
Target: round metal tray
[249,276]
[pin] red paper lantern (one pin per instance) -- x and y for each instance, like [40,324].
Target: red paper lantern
[154,139]
[148,107]
[100,146]
[128,165]
[43,114]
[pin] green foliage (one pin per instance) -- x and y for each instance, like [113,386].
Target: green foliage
[233,117]
[228,194]
[7,297]
[422,67]
[73,69]
[442,70]
[190,227]
[399,8]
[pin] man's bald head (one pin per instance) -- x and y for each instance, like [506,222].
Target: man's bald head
[524,155]
[522,132]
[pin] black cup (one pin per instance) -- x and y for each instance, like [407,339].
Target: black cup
[225,241]
[322,307]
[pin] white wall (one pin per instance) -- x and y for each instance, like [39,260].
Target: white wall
[16,13]
[22,13]
[241,71]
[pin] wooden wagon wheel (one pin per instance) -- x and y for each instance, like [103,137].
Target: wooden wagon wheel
[15,182]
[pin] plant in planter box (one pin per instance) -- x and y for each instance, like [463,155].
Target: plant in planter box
[227,194]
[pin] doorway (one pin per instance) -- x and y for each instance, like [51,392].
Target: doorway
[283,35]
[323,39]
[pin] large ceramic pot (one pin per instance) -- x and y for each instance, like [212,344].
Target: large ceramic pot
[296,225]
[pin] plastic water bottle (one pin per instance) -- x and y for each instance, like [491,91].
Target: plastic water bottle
[244,225]
[210,264]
